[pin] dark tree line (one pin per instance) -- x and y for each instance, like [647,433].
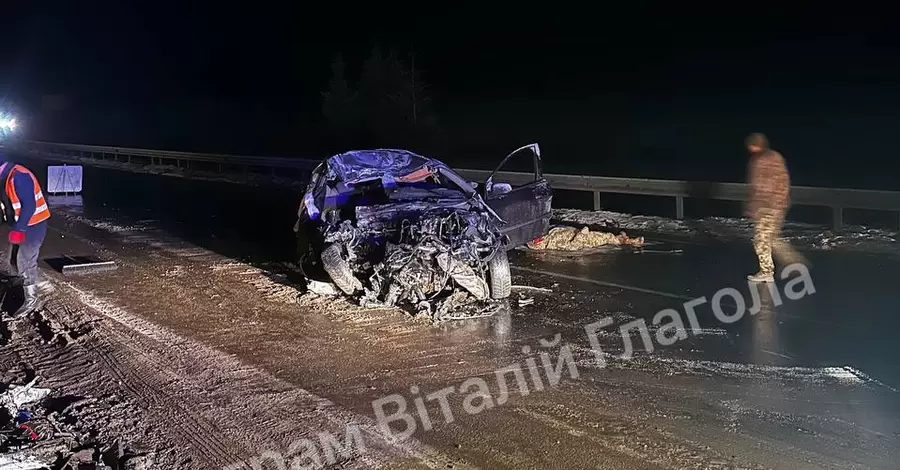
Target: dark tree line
[386,105]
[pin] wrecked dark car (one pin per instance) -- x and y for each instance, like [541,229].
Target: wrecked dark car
[392,227]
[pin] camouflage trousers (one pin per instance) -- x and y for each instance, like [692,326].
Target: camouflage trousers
[767,235]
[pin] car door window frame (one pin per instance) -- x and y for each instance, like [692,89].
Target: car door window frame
[538,170]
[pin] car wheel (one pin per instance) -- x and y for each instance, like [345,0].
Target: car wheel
[339,271]
[501,279]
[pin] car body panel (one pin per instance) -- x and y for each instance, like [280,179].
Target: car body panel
[525,208]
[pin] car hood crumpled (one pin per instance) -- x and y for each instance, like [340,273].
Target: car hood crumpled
[365,165]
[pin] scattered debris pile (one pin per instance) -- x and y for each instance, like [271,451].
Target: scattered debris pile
[43,428]
[566,238]
[38,431]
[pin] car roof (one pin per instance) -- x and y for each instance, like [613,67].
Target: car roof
[361,165]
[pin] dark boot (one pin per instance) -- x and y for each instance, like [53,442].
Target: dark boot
[32,302]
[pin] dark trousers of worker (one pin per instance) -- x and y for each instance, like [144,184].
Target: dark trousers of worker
[22,259]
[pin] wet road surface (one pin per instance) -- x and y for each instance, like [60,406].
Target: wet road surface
[807,384]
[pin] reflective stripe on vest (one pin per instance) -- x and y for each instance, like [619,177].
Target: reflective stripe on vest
[41,211]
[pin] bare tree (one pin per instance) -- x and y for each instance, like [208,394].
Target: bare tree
[339,102]
[391,106]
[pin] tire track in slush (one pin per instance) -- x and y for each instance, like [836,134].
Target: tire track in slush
[152,392]
[97,354]
[208,442]
[141,361]
[217,449]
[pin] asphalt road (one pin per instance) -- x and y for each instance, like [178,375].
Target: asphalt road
[809,383]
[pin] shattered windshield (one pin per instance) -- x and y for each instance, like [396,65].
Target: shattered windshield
[362,165]
[403,175]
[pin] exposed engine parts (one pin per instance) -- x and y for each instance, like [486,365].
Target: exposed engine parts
[393,228]
[423,262]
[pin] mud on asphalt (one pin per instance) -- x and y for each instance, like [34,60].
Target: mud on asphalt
[121,397]
[154,399]
[195,360]
[89,418]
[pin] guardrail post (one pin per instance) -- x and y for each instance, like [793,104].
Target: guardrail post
[596,200]
[679,207]
[838,218]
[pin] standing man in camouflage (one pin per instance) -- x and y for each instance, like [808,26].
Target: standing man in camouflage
[767,203]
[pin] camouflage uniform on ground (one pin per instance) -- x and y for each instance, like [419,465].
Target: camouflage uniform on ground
[768,201]
[573,239]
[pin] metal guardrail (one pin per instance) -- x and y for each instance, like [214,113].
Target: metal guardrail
[77,152]
[836,198]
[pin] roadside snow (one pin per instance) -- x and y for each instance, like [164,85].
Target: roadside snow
[798,234]
[623,221]
[844,375]
[109,226]
[72,207]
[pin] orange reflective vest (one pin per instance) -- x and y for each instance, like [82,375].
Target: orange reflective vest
[41,211]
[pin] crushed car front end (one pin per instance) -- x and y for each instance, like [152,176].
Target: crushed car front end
[391,227]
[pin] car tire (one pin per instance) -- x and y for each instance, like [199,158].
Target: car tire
[501,279]
[339,271]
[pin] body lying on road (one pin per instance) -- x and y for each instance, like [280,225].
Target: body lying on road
[573,239]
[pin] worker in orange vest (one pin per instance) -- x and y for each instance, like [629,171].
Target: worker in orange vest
[25,211]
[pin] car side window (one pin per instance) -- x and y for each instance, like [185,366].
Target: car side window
[520,168]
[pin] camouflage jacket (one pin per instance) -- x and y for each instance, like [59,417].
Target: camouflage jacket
[769,182]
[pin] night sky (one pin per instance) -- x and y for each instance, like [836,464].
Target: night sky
[644,91]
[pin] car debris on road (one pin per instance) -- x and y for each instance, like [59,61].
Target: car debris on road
[391,227]
[16,396]
[523,300]
[35,435]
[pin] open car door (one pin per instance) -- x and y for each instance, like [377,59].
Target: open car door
[522,198]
